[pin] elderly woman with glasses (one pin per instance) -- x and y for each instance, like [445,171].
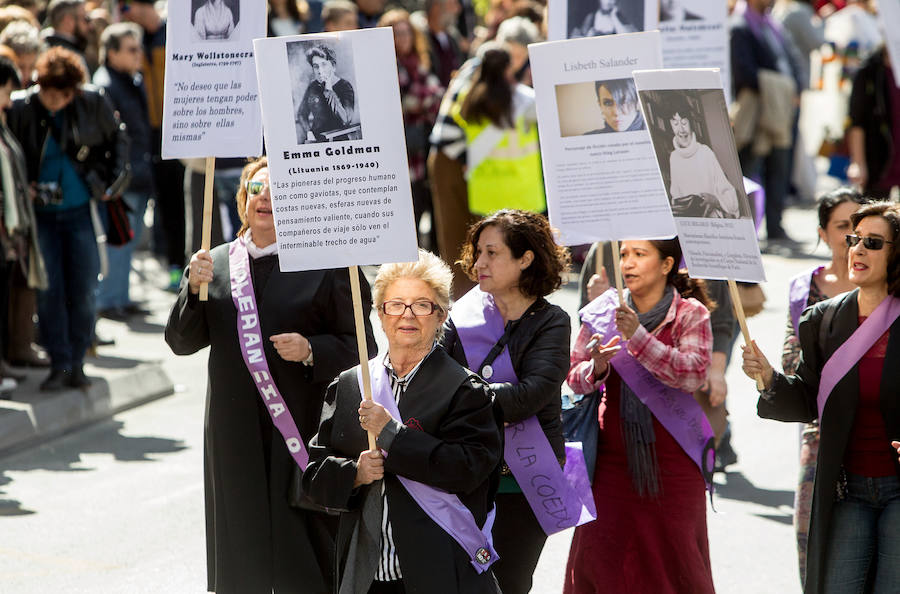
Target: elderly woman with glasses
[848,379]
[420,503]
[276,340]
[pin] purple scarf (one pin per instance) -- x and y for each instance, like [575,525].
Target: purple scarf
[560,498]
[798,294]
[251,341]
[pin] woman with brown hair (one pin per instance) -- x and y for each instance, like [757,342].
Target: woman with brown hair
[505,330]
[276,340]
[647,356]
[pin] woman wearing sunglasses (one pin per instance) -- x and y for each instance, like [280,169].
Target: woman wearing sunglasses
[276,340]
[420,504]
[847,378]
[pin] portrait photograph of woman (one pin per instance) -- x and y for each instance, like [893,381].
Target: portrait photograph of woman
[214,20]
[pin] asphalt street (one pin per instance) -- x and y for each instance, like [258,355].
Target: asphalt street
[118,507]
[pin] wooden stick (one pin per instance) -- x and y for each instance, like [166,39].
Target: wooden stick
[742,320]
[361,341]
[617,268]
[206,236]
[598,258]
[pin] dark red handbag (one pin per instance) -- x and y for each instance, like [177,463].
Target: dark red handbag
[118,227]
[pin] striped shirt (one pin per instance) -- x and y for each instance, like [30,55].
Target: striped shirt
[389,564]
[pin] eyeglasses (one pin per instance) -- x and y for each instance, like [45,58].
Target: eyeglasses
[418,308]
[870,243]
[254,187]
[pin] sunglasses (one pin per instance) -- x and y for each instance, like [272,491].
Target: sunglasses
[255,187]
[870,243]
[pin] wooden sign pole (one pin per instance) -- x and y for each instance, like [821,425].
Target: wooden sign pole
[617,268]
[206,236]
[361,341]
[742,320]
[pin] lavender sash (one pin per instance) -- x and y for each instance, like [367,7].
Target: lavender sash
[675,409]
[444,508]
[848,354]
[560,498]
[798,294]
[251,341]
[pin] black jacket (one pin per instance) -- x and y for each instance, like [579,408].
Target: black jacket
[255,542]
[539,349]
[129,98]
[793,399]
[448,439]
[91,136]
[870,109]
[749,55]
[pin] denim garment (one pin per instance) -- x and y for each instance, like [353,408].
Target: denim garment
[66,308]
[865,537]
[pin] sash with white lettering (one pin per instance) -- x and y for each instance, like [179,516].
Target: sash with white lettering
[251,341]
[798,294]
[444,508]
[675,409]
[848,354]
[560,498]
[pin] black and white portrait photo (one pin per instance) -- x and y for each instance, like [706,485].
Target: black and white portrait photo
[323,90]
[694,146]
[592,18]
[599,107]
[215,20]
[676,11]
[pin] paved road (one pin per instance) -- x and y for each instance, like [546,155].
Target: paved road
[118,507]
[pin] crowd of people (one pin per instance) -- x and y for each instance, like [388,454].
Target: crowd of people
[312,488]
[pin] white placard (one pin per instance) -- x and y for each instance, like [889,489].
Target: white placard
[695,35]
[599,172]
[694,147]
[889,12]
[337,151]
[570,19]
[211,104]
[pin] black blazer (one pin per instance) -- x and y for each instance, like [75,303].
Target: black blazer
[449,439]
[539,349]
[793,399]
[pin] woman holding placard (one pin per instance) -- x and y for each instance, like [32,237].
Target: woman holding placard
[276,339]
[655,448]
[506,331]
[846,379]
[807,289]
[421,505]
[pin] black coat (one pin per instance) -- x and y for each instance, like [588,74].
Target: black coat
[449,440]
[793,399]
[255,541]
[870,109]
[749,55]
[539,349]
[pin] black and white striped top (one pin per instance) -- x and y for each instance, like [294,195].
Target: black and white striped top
[388,563]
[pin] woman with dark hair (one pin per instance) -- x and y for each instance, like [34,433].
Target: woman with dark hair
[647,355]
[276,340]
[327,108]
[618,103]
[847,379]
[807,289]
[286,17]
[502,154]
[699,186]
[506,331]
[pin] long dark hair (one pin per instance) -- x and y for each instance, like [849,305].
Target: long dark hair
[831,200]
[491,96]
[686,286]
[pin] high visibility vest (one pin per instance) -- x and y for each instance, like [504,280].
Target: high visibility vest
[503,164]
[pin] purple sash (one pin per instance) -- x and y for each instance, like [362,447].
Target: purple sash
[560,498]
[251,341]
[444,508]
[675,409]
[798,294]
[848,354]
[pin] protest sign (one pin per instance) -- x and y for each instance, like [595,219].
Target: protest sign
[695,35]
[694,147]
[337,151]
[570,19]
[889,12]
[599,172]
[211,104]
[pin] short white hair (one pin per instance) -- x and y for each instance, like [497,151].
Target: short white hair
[518,29]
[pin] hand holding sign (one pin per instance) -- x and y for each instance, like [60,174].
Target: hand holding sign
[756,366]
